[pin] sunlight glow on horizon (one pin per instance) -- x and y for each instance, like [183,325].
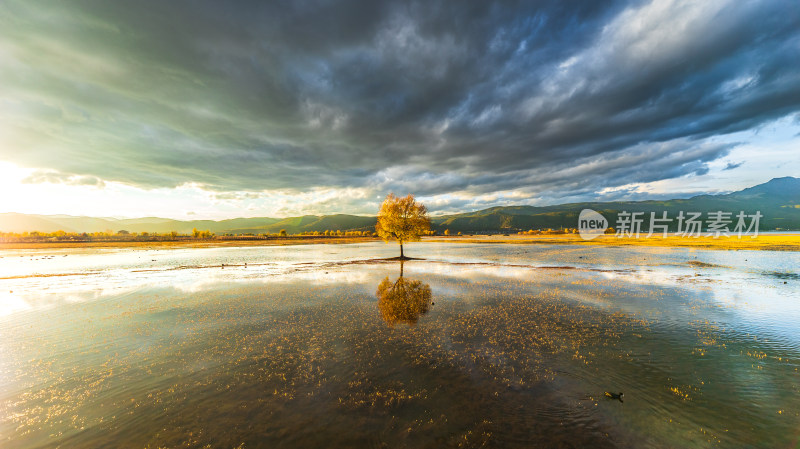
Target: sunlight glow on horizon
[770,151]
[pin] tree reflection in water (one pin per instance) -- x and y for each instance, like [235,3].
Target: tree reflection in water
[404,300]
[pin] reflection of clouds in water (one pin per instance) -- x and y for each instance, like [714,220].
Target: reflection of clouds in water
[11,303]
[328,277]
[81,260]
[728,287]
[724,296]
[471,271]
[287,274]
[35,300]
[741,287]
[41,293]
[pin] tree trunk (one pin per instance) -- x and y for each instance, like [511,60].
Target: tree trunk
[401,251]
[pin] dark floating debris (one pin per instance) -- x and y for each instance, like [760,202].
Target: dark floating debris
[697,263]
[783,275]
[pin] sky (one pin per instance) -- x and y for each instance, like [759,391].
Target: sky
[217,110]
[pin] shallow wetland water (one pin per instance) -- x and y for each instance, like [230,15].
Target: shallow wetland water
[478,345]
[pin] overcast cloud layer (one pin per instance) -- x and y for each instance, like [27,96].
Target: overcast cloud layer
[466,98]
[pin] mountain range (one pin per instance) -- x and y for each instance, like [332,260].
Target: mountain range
[778,200]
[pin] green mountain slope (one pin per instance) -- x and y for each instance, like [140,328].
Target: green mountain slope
[310,223]
[778,201]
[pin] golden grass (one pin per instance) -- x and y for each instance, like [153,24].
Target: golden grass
[772,242]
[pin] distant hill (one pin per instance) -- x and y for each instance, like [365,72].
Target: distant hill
[778,201]
[296,225]
[51,223]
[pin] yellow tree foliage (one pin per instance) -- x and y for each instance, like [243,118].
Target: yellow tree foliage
[402,219]
[403,301]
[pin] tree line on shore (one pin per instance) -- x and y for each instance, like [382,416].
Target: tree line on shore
[103,236]
[557,231]
[125,236]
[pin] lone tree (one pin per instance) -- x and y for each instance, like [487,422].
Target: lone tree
[402,219]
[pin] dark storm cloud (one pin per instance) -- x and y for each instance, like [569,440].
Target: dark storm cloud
[561,98]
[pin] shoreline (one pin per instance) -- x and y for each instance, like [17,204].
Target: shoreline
[764,242]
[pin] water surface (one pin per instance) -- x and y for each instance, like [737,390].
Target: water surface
[475,346]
